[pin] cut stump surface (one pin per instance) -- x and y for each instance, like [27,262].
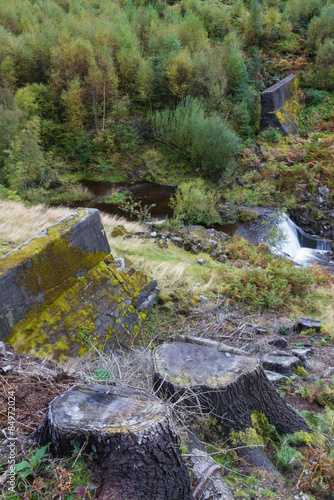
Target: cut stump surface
[131,434]
[228,386]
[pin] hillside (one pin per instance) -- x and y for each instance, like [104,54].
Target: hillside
[169,92]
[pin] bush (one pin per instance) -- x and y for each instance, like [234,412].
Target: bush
[194,203]
[271,134]
[206,140]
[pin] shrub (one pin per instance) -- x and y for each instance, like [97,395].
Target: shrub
[300,12]
[272,135]
[206,140]
[321,27]
[194,203]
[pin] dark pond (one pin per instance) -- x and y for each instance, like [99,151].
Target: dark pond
[149,194]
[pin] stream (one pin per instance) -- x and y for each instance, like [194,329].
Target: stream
[272,227]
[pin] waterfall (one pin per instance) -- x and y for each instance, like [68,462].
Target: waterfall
[301,247]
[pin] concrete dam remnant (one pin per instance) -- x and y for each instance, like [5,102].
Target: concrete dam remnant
[280,106]
[61,291]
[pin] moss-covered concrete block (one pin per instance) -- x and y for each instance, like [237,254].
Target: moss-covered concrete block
[39,270]
[62,293]
[280,106]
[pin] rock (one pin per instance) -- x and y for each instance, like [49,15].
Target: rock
[304,324]
[275,377]
[201,261]
[7,368]
[154,234]
[241,181]
[303,353]
[260,330]
[280,362]
[119,263]
[177,241]
[280,342]
[280,106]
[119,231]
[324,191]
[329,372]
[2,349]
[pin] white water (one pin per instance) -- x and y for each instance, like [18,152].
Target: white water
[291,246]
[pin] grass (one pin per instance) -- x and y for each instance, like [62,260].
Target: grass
[18,222]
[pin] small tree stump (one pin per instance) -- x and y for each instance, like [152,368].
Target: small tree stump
[229,386]
[132,435]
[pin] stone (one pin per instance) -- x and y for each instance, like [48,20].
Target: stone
[177,241]
[280,342]
[329,372]
[2,349]
[279,362]
[323,191]
[303,353]
[275,377]
[201,261]
[260,330]
[304,324]
[119,231]
[280,106]
[119,263]
[154,234]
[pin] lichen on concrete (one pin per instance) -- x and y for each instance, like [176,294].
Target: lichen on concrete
[78,299]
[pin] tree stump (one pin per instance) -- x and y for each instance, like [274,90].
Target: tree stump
[228,386]
[130,432]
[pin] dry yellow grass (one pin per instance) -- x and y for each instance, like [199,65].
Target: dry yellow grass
[18,223]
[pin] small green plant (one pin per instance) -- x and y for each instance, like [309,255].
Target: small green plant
[85,332]
[195,203]
[102,375]
[300,371]
[136,209]
[36,461]
[268,494]
[271,134]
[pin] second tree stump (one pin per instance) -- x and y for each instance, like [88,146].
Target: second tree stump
[228,386]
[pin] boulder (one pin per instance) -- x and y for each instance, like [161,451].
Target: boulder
[280,106]
[304,324]
[280,342]
[280,362]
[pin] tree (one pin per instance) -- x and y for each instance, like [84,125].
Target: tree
[74,101]
[11,117]
[25,159]
[206,140]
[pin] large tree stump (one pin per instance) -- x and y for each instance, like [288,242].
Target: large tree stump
[229,386]
[130,432]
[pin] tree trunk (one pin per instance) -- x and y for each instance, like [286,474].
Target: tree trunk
[131,434]
[228,386]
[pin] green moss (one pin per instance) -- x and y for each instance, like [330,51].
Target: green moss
[62,344]
[68,323]
[300,371]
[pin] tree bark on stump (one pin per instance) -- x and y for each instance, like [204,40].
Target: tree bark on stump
[131,434]
[228,386]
